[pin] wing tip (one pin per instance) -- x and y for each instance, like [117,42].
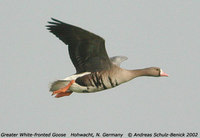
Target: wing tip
[53,23]
[58,21]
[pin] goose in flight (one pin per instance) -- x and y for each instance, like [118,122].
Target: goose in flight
[95,71]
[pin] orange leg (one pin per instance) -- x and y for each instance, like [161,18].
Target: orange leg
[63,90]
[63,94]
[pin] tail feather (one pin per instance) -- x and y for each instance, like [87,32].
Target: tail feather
[56,85]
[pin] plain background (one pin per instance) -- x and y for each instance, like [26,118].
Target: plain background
[150,33]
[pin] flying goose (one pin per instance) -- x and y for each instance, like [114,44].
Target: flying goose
[95,71]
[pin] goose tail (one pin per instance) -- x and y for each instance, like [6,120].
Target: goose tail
[56,85]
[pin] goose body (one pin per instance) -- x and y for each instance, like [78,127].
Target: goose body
[95,71]
[88,82]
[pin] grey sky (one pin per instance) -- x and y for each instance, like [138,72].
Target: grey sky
[150,33]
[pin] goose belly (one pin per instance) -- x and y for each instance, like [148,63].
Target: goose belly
[86,89]
[94,82]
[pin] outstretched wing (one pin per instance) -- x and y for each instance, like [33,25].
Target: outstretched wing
[87,50]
